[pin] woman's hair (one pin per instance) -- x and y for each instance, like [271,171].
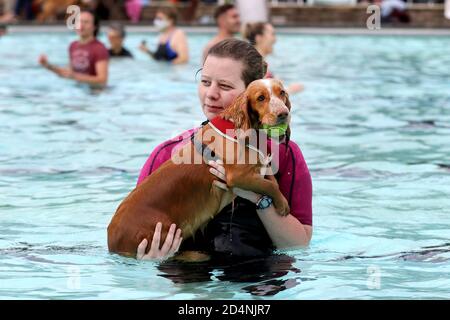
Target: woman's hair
[170,13]
[252,30]
[118,27]
[96,21]
[254,65]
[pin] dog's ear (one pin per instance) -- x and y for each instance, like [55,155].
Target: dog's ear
[288,131]
[287,135]
[288,102]
[238,112]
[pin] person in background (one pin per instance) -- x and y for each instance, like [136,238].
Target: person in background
[172,41]
[228,22]
[116,36]
[88,56]
[394,11]
[24,5]
[262,36]
[133,9]
[8,11]
[3,29]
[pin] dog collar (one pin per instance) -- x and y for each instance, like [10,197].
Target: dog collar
[224,126]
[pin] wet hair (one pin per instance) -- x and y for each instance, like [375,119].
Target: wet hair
[170,12]
[96,21]
[118,27]
[254,29]
[254,65]
[222,10]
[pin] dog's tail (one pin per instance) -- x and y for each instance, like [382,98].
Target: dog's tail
[192,256]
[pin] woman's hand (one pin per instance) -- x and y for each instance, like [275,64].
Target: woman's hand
[169,248]
[66,73]
[219,171]
[295,88]
[43,61]
[143,47]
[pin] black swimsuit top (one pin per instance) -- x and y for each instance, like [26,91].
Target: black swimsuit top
[237,232]
[165,52]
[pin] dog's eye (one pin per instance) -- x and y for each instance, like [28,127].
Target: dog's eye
[282,93]
[261,98]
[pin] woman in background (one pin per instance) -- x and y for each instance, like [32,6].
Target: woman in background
[172,42]
[262,36]
[116,36]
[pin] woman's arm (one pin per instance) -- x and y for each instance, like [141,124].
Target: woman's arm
[180,46]
[285,232]
[60,71]
[143,48]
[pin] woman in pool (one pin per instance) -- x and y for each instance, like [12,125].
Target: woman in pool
[228,69]
[172,42]
[262,36]
[88,56]
[116,37]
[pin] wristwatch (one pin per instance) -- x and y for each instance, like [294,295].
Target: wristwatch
[264,202]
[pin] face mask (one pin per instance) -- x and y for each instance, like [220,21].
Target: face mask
[275,131]
[160,24]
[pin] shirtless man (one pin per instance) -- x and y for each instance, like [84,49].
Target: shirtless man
[228,22]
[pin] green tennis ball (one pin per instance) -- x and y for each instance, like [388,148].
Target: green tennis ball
[276,130]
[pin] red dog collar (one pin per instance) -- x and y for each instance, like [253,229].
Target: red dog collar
[225,126]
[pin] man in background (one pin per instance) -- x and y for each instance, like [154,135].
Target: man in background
[228,22]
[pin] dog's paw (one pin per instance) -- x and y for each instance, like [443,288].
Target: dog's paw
[282,207]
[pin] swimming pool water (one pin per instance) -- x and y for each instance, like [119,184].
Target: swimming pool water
[373,124]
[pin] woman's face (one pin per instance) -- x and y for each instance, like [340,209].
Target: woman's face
[162,22]
[87,26]
[267,39]
[114,38]
[219,85]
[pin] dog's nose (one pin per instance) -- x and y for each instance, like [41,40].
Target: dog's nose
[282,117]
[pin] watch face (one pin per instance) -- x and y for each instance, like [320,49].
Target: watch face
[265,203]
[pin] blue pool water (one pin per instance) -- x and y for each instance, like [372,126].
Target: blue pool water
[373,124]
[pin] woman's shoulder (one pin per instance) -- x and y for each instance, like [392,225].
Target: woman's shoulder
[179,34]
[179,31]
[168,145]
[290,147]
[163,152]
[294,147]
[291,156]
[296,151]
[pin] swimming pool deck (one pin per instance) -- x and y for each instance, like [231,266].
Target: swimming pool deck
[286,30]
